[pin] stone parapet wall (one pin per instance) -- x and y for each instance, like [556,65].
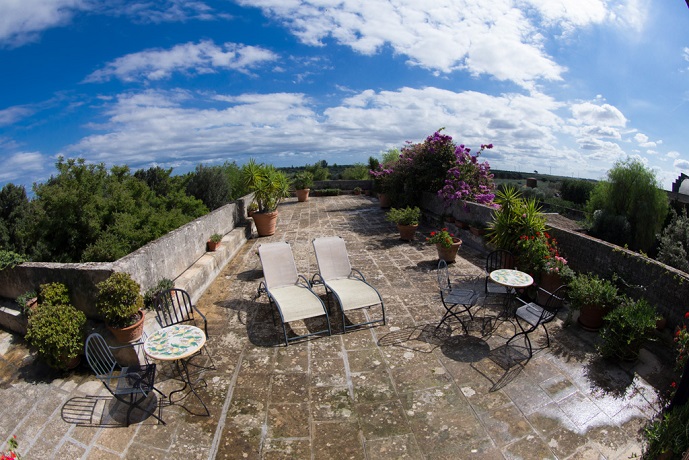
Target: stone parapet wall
[167,257]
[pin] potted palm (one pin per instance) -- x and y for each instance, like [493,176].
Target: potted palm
[120,302]
[303,181]
[56,328]
[594,297]
[407,220]
[269,187]
[214,241]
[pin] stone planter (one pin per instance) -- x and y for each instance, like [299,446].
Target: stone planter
[449,254]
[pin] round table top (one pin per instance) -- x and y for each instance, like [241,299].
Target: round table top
[511,278]
[174,342]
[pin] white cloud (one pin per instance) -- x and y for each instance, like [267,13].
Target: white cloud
[193,58]
[673,154]
[21,164]
[682,165]
[11,115]
[588,113]
[21,21]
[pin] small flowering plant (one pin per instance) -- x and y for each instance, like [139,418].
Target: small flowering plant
[11,453]
[443,238]
[540,253]
[682,343]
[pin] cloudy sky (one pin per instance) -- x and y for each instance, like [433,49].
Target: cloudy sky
[560,86]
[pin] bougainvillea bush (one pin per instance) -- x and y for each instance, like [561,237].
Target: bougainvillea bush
[437,165]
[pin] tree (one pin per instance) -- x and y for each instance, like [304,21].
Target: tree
[629,202]
[211,185]
[14,218]
[674,242]
[577,191]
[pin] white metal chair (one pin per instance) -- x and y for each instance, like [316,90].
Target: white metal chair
[130,385]
[287,290]
[346,284]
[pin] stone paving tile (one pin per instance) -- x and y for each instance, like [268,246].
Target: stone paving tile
[402,390]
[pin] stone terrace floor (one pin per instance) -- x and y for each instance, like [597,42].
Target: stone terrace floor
[385,392]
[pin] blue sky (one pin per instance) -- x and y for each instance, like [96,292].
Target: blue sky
[560,86]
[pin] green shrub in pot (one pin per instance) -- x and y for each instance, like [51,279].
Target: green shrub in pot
[56,328]
[404,216]
[627,328]
[302,180]
[119,300]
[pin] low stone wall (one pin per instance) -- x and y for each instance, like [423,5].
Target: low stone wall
[663,286]
[167,257]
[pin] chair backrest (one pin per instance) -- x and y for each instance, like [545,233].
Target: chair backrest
[279,268]
[173,306]
[443,276]
[332,257]
[500,258]
[552,301]
[100,357]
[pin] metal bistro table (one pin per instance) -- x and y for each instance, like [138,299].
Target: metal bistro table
[177,343]
[512,280]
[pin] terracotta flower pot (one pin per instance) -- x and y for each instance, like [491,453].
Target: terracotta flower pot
[407,232]
[384,200]
[265,222]
[448,254]
[550,281]
[212,245]
[130,333]
[303,194]
[591,317]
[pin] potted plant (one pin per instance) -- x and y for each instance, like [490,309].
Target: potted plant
[446,244]
[303,181]
[269,187]
[251,209]
[407,220]
[214,241]
[56,328]
[626,329]
[594,297]
[357,191]
[120,302]
[163,285]
[667,436]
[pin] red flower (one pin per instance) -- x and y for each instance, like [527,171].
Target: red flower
[686,315]
[673,384]
[432,233]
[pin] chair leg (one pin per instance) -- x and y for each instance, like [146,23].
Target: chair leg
[547,337]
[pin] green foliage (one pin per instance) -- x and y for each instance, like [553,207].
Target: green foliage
[215,238]
[157,179]
[303,180]
[626,329]
[319,170]
[632,192]
[576,190]
[163,285]
[404,216]
[53,293]
[15,219]
[268,184]
[23,299]
[674,242]
[56,329]
[668,432]
[359,171]
[589,289]
[211,185]
[329,192]
[515,217]
[390,156]
[119,299]
[86,213]
[9,259]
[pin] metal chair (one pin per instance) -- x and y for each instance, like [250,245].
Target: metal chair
[500,258]
[287,290]
[130,385]
[455,300]
[174,306]
[346,284]
[538,313]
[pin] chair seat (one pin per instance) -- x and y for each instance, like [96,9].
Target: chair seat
[461,296]
[353,293]
[297,302]
[531,313]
